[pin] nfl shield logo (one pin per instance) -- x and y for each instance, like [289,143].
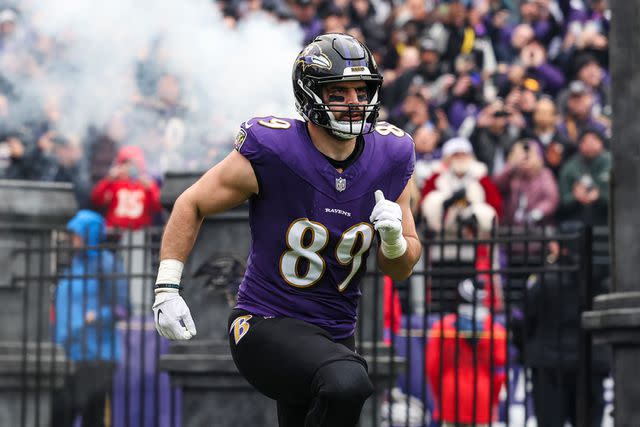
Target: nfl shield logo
[341,184]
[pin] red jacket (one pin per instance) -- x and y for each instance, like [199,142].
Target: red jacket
[392,311]
[444,351]
[129,203]
[491,192]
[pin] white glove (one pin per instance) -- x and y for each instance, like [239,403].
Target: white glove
[169,309]
[387,220]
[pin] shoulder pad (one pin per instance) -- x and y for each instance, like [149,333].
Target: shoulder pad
[259,127]
[260,124]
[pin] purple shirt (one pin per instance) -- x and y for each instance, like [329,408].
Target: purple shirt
[310,229]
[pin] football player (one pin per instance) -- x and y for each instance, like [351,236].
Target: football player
[320,191]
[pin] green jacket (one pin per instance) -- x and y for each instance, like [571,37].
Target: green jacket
[574,170]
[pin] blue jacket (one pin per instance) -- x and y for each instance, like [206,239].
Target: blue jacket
[86,287]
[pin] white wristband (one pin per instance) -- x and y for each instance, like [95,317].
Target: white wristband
[395,250]
[169,272]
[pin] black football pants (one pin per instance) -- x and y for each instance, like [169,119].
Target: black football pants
[316,381]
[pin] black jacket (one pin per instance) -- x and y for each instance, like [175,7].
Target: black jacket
[552,323]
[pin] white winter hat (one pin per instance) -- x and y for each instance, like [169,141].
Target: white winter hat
[456,145]
[7,15]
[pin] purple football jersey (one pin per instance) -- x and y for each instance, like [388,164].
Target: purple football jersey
[310,229]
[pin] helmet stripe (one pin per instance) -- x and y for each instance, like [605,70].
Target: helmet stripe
[351,50]
[345,51]
[359,53]
[359,50]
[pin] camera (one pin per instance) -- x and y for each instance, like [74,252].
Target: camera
[587,182]
[133,171]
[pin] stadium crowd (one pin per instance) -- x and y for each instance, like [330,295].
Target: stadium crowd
[525,82]
[507,101]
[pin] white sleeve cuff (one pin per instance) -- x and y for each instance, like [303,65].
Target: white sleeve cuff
[395,250]
[169,272]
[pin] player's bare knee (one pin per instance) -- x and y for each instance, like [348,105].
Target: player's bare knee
[343,381]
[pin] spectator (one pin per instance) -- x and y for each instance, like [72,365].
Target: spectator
[460,193]
[589,72]
[584,181]
[15,146]
[11,34]
[448,33]
[163,124]
[168,99]
[557,148]
[552,346]
[579,112]
[493,136]
[104,146]
[128,194]
[412,13]
[529,189]
[465,357]
[541,17]
[88,302]
[408,61]
[49,113]
[335,20]
[498,29]
[521,102]
[149,68]
[414,113]
[426,78]
[363,15]
[306,14]
[466,93]
[587,30]
[507,77]
[534,58]
[521,36]
[462,37]
[594,76]
[426,139]
[57,158]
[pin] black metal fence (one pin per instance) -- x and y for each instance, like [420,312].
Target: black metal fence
[84,344]
[477,336]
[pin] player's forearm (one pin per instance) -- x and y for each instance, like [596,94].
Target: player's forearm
[181,230]
[401,268]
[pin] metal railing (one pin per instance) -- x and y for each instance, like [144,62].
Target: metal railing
[432,360]
[461,371]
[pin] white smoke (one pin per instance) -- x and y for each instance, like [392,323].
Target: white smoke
[239,73]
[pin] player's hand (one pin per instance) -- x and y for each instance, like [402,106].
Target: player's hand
[386,218]
[172,316]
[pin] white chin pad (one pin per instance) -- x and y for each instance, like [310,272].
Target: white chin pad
[349,129]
